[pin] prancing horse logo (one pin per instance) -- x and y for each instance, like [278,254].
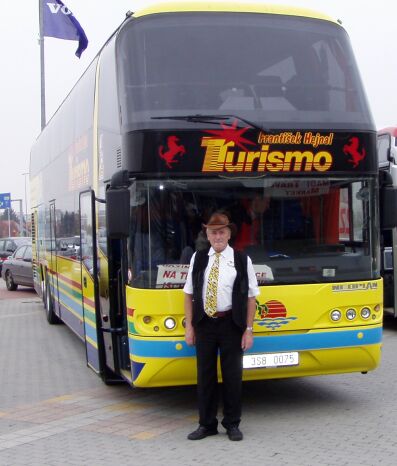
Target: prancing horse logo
[352,150]
[174,149]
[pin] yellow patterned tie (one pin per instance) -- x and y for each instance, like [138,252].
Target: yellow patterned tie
[212,288]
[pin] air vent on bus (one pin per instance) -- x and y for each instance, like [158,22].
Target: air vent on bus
[33,227]
[118,158]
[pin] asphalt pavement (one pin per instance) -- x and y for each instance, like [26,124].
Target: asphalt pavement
[55,411]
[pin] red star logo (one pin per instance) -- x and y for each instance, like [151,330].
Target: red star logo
[232,134]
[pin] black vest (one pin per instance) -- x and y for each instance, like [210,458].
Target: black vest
[240,288]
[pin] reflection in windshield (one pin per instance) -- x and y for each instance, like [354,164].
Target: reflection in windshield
[295,231]
[263,68]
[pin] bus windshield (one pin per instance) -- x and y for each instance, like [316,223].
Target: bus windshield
[285,71]
[295,230]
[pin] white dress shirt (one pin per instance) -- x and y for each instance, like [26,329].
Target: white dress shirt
[227,275]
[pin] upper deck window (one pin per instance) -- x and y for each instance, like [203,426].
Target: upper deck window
[270,69]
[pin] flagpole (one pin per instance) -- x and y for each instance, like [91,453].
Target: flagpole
[42,67]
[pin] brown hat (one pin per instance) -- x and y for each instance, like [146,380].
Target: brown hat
[219,220]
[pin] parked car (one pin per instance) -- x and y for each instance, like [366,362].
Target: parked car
[9,245]
[17,269]
[68,247]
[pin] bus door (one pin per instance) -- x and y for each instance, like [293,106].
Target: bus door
[89,283]
[99,334]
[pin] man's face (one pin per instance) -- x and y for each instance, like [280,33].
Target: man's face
[218,238]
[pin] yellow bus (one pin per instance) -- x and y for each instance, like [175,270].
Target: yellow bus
[190,108]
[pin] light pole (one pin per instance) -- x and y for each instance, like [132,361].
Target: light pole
[20,218]
[26,205]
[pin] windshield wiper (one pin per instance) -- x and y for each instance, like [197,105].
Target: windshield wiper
[213,119]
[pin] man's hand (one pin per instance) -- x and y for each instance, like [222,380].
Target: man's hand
[247,340]
[190,336]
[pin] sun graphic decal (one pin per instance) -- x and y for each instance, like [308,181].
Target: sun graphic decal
[232,134]
[272,315]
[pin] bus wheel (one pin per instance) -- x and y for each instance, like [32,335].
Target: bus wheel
[52,318]
[10,284]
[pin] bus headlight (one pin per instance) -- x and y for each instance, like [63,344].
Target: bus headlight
[351,314]
[336,315]
[169,323]
[147,319]
[365,312]
[184,322]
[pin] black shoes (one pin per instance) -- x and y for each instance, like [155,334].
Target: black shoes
[201,433]
[234,434]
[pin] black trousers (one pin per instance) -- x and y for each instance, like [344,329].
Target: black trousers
[223,335]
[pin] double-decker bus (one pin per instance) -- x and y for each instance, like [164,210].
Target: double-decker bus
[187,109]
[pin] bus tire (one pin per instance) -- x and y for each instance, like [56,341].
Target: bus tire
[52,318]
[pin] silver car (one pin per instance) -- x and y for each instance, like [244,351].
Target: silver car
[9,245]
[17,269]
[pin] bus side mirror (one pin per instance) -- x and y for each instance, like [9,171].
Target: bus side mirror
[118,212]
[388,207]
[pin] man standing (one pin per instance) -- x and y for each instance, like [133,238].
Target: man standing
[220,307]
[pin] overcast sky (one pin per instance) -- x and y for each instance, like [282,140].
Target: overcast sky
[370,24]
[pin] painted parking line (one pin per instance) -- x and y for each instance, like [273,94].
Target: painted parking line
[132,419]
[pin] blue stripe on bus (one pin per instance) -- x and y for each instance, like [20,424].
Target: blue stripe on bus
[89,329]
[69,289]
[313,341]
[76,307]
[72,321]
[92,356]
[266,344]
[91,332]
[136,369]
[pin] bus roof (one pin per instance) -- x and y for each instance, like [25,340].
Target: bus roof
[173,7]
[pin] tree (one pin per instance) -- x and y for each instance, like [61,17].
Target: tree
[13,215]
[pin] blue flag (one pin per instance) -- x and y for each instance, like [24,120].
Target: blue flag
[59,22]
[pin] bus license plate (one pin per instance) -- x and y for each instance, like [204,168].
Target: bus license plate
[253,361]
